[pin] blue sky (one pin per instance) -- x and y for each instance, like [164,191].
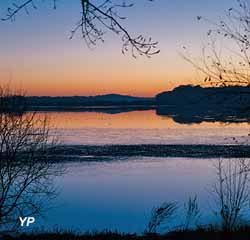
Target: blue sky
[37,55]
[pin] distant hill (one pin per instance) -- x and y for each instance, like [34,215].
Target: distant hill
[76,101]
[189,104]
[212,97]
[119,98]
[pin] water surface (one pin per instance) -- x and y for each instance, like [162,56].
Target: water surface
[119,195]
[142,127]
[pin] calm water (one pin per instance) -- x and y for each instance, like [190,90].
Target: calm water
[141,127]
[120,194]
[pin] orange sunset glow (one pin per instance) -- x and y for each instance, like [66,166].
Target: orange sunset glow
[94,76]
[130,120]
[46,62]
[125,119]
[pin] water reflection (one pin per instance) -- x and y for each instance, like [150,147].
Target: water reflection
[119,195]
[141,127]
[148,119]
[194,115]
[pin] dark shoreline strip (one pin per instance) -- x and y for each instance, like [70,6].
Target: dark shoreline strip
[190,151]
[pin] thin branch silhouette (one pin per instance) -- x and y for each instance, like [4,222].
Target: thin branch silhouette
[225,59]
[95,21]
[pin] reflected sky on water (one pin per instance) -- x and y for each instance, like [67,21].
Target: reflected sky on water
[119,195]
[141,127]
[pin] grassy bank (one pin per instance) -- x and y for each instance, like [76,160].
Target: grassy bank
[242,233]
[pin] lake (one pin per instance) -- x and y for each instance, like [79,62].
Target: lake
[141,127]
[119,194]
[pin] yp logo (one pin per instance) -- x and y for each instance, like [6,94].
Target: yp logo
[26,221]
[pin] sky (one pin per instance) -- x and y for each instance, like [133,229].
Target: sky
[37,56]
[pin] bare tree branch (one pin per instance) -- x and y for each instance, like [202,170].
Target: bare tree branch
[227,65]
[231,191]
[95,20]
[26,171]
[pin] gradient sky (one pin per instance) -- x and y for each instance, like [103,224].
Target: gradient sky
[36,54]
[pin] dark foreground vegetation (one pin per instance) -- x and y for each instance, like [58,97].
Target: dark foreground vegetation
[201,233]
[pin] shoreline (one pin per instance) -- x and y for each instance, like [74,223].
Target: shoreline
[110,152]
